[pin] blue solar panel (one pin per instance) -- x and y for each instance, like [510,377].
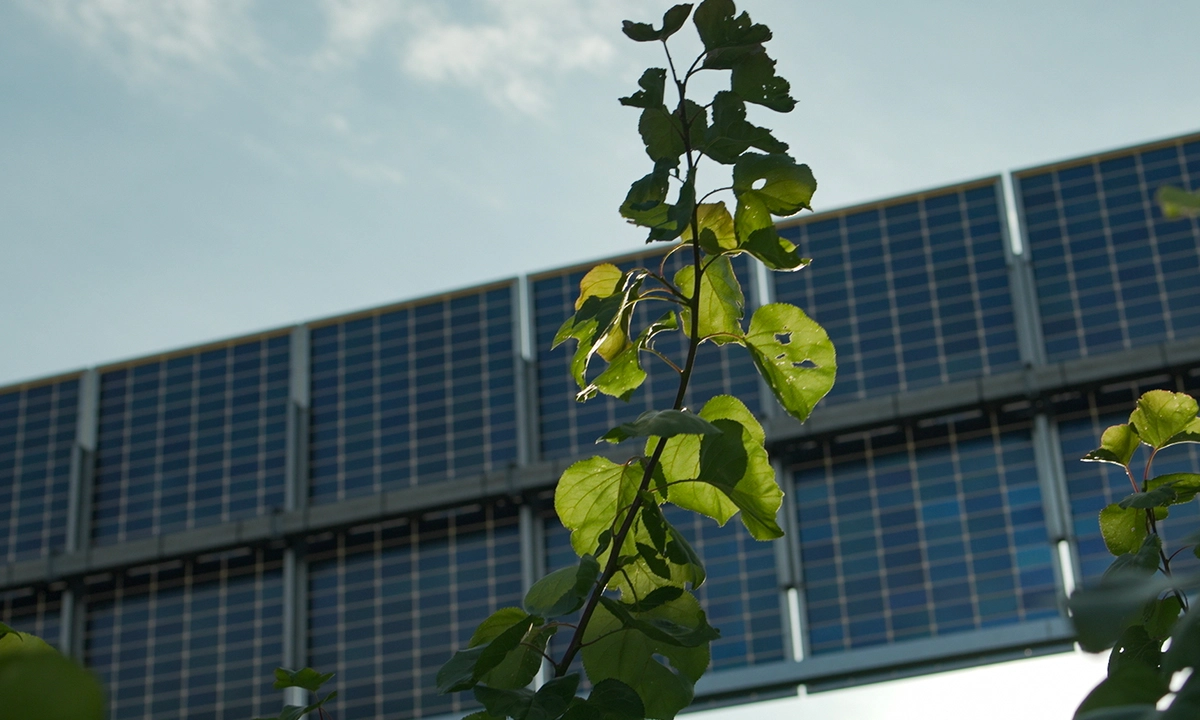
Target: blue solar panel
[195,640]
[192,440]
[34,610]
[37,433]
[922,531]
[914,293]
[569,428]
[1111,272]
[415,395]
[1082,418]
[389,603]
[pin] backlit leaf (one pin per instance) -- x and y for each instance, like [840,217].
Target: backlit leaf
[652,82]
[623,375]
[1117,446]
[1185,485]
[564,591]
[775,182]
[1123,529]
[631,657]
[727,39]
[646,203]
[661,423]
[306,678]
[721,301]
[794,355]
[659,628]
[756,235]
[1158,497]
[548,703]
[730,134]
[1162,415]
[588,496]
[660,133]
[47,686]
[754,79]
[1176,202]
[716,229]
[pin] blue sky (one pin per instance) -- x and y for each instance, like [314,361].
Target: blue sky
[175,172]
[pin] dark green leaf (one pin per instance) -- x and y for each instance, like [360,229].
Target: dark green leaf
[654,561]
[652,82]
[721,301]
[1162,415]
[794,355]
[786,188]
[646,203]
[1159,617]
[716,229]
[623,375]
[466,667]
[1123,529]
[655,524]
[616,701]
[1185,645]
[1158,497]
[1135,647]
[1176,202]
[1133,685]
[679,215]
[661,629]
[729,135]
[660,133]
[564,591]
[754,79]
[1102,613]
[1128,712]
[548,703]
[673,19]
[661,423]
[1139,564]
[656,598]
[1117,446]
[307,678]
[47,686]
[1185,485]
[632,657]
[727,39]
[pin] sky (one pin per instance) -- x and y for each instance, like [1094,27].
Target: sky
[180,171]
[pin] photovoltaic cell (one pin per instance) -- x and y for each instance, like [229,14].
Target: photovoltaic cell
[389,604]
[192,640]
[420,394]
[1082,418]
[37,433]
[34,610]
[1111,272]
[914,293]
[922,531]
[191,441]
[569,428]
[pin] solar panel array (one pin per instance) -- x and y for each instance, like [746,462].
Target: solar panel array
[927,528]
[37,434]
[1111,272]
[922,530]
[914,293]
[192,440]
[413,395]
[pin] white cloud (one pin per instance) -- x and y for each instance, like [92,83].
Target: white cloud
[147,41]
[509,59]
[353,27]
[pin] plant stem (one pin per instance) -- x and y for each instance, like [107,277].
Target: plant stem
[685,376]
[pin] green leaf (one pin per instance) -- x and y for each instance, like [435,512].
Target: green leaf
[646,203]
[754,79]
[794,355]
[47,686]
[727,39]
[616,701]
[773,182]
[1141,563]
[1185,645]
[721,301]
[548,703]
[1162,415]
[631,657]
[662,629]
[1135,647]
[731,471]
[660,596]
[1117,446]
[14,641]
[1158,497]
[661,423]
[502,632]
[678,215]
[673,19]
[730,134]
[675,547]
[564,591]
[307,678]
[588,497]
[716,229]
[654,561]
[1123,529]
[653,83]
[1176,202]
[622,376]
[1185,485]
[519,664]
[661,135]
[1159,617]
[756,235]
[1100,614]
[1133,685]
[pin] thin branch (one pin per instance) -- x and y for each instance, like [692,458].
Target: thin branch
[664,358]
[713,192]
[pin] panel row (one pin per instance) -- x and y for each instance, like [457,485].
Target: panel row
[914,292]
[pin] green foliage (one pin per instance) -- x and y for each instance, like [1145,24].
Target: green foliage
[1176,202]
[306,679]
[37,682]
[1140,603]
[642,634]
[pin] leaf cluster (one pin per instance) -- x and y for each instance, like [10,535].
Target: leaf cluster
[36,681]
[1140,602]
